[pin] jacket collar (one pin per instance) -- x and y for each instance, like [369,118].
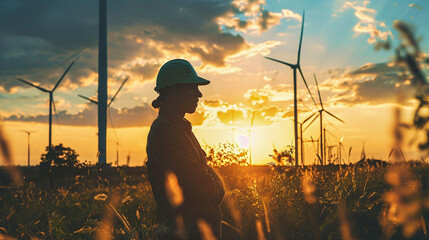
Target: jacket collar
[181,122]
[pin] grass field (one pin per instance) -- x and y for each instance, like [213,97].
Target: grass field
[262,202]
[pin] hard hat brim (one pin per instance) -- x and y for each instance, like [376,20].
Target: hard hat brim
[196,80]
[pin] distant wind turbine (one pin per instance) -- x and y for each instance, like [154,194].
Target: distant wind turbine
[296,67]
[322,149]
[110,118]
[51,98]
[28,144]
[302,136]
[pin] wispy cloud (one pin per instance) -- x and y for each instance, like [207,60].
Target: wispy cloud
[256,19]
[138,116]
[367,23]
[371,84]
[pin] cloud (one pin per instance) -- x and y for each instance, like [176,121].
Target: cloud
[281,92]
[41,40]
[138,116]
[270,104]
[256,19]
[371,84]
[367,23]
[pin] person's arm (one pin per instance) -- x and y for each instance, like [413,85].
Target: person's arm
[219,183]
[194,178]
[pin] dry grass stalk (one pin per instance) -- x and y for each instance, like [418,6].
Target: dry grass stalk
[8,160]
[404,198]
[308,188]
[5,237]
[345,228]
[105,228]
[267,219]
[260,230]
[180,227]
[232,207]
[174,191]
[205,230]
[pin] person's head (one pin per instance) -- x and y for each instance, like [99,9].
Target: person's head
[177,84]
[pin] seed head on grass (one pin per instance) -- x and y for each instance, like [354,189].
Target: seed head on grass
[308,188]
[205,230]
[174,191]
[8,160]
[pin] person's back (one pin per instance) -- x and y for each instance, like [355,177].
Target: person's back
[187,191]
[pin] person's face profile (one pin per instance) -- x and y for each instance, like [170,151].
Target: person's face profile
[187,96]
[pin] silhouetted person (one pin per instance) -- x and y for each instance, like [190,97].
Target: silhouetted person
[173,152]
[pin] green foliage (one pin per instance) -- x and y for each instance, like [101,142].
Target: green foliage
[76,211]
[284,157]
[274,197]
[226,154]
[60,156]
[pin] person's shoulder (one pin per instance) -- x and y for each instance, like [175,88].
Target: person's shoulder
[161,124]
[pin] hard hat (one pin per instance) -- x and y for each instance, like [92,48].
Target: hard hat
[177,71]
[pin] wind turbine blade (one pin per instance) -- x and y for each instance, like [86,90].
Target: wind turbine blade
[111,124]
[114,96]
[253,119]
[308,118]
[55,111]
[306,85]
[89,99]
[314,119]
[64,74]
[318,91]
[29,83]
[300,39]
[285,63]
[333,116]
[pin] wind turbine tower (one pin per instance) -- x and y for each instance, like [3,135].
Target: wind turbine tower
[296,67]
[28,145]
[108,105]
[102,82]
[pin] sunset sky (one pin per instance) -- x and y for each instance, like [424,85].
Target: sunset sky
[226,42]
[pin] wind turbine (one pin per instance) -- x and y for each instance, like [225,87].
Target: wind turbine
[302,136]
[296,67]
[340,147]
[110,118]
[28,144]
[322,140]
[51,98]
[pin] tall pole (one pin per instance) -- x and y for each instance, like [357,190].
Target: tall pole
[117,153]
[51,99]
[295,115]
[339,153]
[302,145]
[317,146]
[28,147]
[324,144]
[102,83]
[321,137]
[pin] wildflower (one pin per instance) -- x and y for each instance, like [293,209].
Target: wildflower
[100,197]
[127,199]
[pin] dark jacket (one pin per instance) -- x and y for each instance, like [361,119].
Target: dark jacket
[172,146]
